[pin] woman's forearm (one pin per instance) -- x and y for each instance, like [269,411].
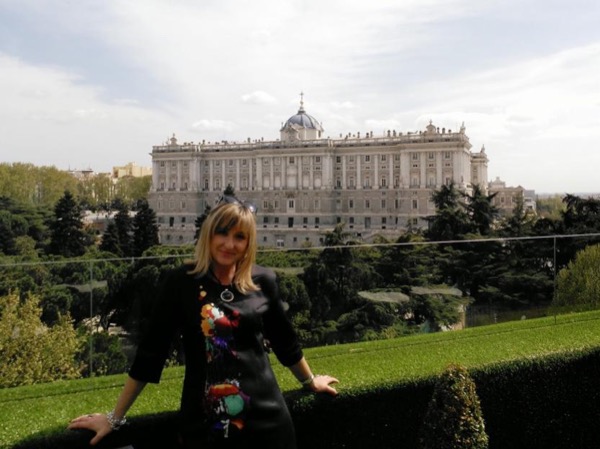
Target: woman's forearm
[301,371]
[319,384]
[129,394]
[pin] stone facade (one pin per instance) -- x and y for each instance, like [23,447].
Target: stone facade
[304,184]
[507,198]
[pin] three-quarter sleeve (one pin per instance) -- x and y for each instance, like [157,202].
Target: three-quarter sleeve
[156,341]
[277,327]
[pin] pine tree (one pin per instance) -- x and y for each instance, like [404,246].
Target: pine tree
[451,221]
[110,240]
[68,237]
[482,211]
[7,237]
[124,227]
[145,229]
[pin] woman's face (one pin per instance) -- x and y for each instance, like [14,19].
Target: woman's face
[228,247]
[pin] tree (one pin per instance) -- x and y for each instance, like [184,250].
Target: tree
[450,221]
[124,227]
[110,240]
[96,191]
[27,218]
[68,237]
[334,278]
[519,223]
[130,189]
[481,210]
[578,285]
[37,353]
[409,263]
[55,302]
[145,229]
[550,207]
[453,419]
[436,309]
[292,292]
[107,355]
[229,190]
[34,186]
[7,236]
[581,216]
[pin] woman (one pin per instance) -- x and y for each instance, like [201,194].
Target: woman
[225,307]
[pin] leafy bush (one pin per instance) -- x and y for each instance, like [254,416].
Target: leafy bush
[107,355]
[453,419]
[579,284]
[32,352]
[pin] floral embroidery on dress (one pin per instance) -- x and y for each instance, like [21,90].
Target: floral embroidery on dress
[225,401]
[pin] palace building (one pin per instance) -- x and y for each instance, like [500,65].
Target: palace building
[303,184]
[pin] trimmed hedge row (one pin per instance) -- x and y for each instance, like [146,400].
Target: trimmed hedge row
[549,402]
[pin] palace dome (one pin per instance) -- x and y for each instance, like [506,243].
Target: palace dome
[301,127]
[302,119]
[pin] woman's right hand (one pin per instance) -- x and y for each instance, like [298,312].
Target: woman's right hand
[96,422]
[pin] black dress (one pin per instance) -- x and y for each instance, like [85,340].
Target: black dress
[230,395]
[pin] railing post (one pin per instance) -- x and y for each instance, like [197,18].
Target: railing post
[554,273]
[91,317]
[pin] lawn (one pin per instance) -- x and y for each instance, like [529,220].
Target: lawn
[47,408]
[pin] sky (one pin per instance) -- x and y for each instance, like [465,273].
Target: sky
[96,83]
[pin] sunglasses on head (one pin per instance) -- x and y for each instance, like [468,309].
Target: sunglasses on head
[230,199]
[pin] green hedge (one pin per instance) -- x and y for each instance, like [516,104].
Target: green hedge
[538,382]
[547,402]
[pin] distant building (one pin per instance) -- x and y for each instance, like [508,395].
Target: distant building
[304,184]
[507,197]
[130,169]
[81,174]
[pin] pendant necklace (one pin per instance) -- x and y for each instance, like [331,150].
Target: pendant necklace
[226,295]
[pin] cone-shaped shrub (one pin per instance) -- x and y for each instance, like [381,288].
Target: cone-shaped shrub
[453,419]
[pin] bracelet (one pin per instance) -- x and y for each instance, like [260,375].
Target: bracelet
[306,382]
[115,424]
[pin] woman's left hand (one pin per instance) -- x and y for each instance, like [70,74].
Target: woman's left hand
[96,422]
[322,384]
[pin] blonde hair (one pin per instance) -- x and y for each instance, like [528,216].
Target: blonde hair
[226,216]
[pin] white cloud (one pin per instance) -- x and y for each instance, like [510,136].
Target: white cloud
[212,125]
[258,97]
[52,119]
[225,70]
